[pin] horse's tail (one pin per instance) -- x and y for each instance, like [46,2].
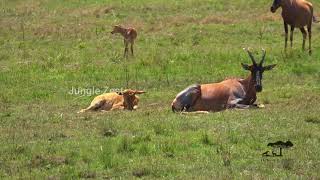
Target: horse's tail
[314,19]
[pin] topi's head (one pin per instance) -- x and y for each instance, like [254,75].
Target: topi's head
[257,69]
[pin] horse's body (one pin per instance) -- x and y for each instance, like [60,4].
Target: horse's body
[296,14]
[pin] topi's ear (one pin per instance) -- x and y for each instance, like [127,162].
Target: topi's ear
[139,92]
[269,67]
[246,67]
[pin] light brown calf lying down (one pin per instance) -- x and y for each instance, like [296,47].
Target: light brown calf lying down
[112,101]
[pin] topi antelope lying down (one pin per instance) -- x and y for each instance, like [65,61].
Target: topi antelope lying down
[230,93]
[113,101]
[129,35]
[296,13]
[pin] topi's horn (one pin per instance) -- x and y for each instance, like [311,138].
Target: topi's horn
[263,56]
[251,56]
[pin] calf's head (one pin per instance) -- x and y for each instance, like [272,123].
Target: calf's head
[129,96]
[116,29]
[257,69]
[275,5]
[186,98]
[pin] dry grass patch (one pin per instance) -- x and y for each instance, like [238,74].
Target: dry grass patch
[42,161]
[96,11]
[27,9]
[269,17]
[213,19]
[171,21]
[74,29]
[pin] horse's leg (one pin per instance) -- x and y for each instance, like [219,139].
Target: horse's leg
[309,33]
[286,35]
[304,35]
[291,35]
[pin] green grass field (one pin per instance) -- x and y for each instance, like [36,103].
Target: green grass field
[48,47]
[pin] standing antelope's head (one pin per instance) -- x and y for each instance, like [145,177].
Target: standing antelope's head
[275,5]
[257,69]
[129,97]
[116,29]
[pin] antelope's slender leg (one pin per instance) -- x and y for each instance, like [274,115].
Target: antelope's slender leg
[309,33]
[125,54]
[132,48]
[304,35]
[291,35]
[286,35]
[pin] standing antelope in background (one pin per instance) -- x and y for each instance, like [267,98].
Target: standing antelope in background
[296,13]
[230,93]
[129,35]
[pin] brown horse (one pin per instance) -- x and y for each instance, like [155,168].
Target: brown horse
[230,93]
[296,13]
[129,36]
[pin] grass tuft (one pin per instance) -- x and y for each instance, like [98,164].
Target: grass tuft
[141,172]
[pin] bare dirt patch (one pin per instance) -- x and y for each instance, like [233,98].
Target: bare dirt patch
[42,161]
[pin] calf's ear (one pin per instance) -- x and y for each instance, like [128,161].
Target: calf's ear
[246,67]
[139,92]
[269,67]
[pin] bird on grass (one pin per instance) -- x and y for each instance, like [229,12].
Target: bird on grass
[281,145]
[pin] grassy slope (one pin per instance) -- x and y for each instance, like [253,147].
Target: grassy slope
[67,44]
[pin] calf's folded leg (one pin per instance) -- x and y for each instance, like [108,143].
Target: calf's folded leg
[93,106]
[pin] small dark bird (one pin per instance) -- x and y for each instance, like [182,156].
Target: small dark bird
[265,153]
[281,145]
